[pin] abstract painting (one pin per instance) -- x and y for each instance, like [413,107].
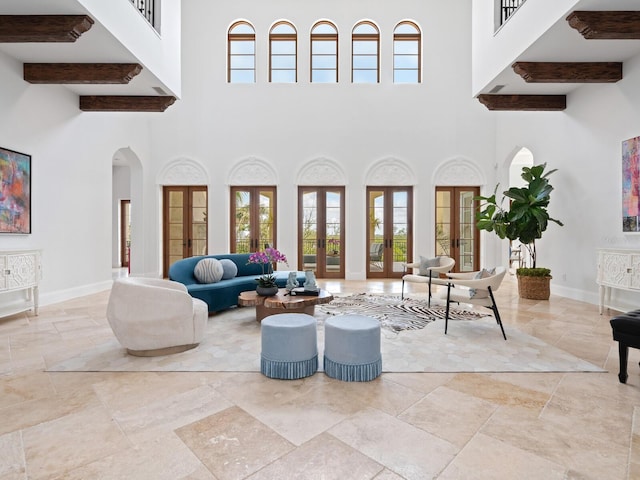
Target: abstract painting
[15,192]
[631,185]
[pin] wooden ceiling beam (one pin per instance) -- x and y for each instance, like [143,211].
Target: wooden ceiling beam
[524,102]
[569,72]
[43,28]
[125,103]
[81,73]
[606,25]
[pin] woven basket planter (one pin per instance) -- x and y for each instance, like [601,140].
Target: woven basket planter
[534,288]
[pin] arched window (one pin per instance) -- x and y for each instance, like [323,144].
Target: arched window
[406,53]
[283,50]
[324,53]
[242,53]
[365,47]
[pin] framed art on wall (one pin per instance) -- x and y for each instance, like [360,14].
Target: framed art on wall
[15,192]
[631,185]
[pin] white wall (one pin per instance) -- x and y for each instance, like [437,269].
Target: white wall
[584,144]
[289,125]
[72,156]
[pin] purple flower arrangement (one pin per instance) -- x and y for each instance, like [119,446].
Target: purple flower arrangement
[266,259]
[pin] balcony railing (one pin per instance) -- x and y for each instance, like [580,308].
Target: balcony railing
[147,9]
[508,8]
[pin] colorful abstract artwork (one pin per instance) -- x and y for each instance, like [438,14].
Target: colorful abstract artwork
[15,192]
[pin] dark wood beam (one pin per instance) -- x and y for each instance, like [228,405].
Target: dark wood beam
[606,25]
[125,103]
[81,73]
[524,102]
[569,72]
[43,28]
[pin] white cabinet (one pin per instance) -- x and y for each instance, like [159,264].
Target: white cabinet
[617,269]
[19,271]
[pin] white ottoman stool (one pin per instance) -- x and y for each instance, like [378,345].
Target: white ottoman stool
[352,348]
[289,346]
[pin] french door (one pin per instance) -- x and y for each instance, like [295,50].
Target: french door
[456,233]
[125,232]
[389,230]
[185,223]
[253,214]
[321,231]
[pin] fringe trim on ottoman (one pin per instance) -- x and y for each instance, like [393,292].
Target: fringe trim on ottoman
[353,373]
[289,370]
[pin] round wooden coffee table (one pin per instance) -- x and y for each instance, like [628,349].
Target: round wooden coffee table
[282,302]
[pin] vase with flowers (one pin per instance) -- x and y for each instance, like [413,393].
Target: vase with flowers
[267,259]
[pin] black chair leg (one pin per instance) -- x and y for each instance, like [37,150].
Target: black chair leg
[429,301]
[494,307]
[446,314]
[623,351]
[402,294]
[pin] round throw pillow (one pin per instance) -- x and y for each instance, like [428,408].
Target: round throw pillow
[208,270]
[229,268]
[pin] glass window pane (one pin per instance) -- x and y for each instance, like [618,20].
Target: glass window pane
[323,76]
[283,76]
[405,76]
[324,47]
[283,62]
[407,62]
[406,28]
[365,28]
[242,62]
[404,47]
[242,76]
[365,76]
[365,62]
[365,47]
[246,47]
[324,28]
[283,28]
[242,28]
[324,61]
[282,47]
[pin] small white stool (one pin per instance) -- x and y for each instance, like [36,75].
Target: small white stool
[289,346]
[352,348]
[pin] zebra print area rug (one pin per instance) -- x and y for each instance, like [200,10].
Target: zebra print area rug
[394,313]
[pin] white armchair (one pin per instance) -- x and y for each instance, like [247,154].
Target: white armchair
[445,265]
[469,288]
[151,317]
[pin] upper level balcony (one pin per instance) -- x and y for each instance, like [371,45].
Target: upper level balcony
[110,51]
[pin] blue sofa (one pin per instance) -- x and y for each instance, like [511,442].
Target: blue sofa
[223,294]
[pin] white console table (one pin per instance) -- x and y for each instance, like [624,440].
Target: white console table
[617,268]
[20,270]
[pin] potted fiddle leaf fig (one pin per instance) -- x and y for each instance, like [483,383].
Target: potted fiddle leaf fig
[525,219]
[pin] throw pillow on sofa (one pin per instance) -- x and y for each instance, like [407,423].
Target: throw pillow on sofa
[208,270]
[425,263]
[229,268]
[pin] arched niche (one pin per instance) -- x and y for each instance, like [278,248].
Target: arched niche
[183,171]
[390,171]
[321,171]
[253,171]
[127,159]
[458,172]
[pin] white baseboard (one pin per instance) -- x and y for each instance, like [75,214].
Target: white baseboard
[58,296]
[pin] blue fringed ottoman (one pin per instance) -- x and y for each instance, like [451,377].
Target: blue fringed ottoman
[289,346]
[352,348]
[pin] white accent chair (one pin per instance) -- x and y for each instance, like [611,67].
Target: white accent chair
[152,317]
[445,266]
[469,288]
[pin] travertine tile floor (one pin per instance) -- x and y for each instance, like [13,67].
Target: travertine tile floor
[214,425]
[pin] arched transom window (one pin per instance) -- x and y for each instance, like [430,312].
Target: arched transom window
[283,53]
[365,46]
[324,53]
[406,53]
[241,53]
